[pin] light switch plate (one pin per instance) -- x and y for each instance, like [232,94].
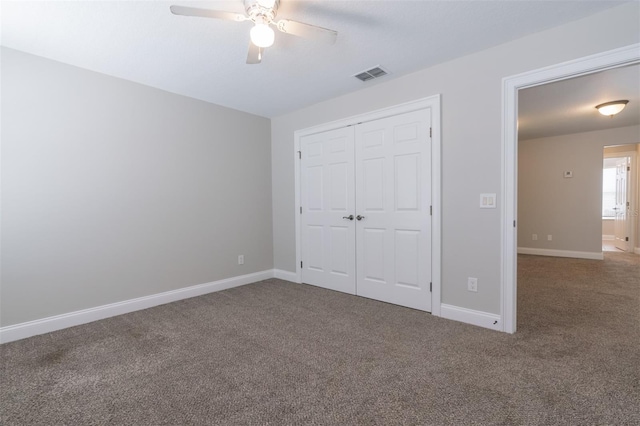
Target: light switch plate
[487,201]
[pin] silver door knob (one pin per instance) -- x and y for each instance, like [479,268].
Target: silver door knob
[359,217]
[350,217]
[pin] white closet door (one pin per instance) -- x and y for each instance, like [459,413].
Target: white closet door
[393,193]
[328,196]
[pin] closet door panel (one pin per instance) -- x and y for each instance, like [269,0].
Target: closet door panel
[328,196]
[365,223]
[393,184]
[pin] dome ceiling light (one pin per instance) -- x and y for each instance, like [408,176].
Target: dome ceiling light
[611,108]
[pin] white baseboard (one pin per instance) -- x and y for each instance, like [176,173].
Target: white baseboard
[58,322]
[469,316]
[285,275]
[608,238]
[561,253]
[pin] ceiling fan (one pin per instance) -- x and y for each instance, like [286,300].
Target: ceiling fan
[262,13]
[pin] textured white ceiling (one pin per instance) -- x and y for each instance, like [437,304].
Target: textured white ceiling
[203,58]
[568,106]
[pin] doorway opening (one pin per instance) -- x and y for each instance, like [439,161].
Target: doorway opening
[619,198]
[617,58]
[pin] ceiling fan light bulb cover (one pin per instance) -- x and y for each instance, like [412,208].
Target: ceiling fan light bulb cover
[262,35]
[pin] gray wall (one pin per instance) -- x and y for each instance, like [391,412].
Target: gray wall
[112,190]
[471,121]
[570,209]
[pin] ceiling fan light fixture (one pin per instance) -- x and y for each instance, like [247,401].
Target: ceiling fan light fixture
[262,13]
[262,35]
[267,4]
[611,108]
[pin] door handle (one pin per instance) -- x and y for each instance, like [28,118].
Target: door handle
[350,217]
[359,217]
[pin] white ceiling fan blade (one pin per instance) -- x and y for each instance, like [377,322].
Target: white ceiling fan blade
[308,31]
[255,54]
[207,13]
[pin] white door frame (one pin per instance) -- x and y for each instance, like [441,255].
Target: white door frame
[433,104]
[632,190]
[510,85]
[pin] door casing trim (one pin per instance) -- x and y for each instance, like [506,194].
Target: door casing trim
[616,58]
[433,104]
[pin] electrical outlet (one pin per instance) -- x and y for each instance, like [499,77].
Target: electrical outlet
[549,237]
[534,237]
[472,284]
[241,259]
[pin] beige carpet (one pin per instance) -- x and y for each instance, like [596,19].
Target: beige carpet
[276,353]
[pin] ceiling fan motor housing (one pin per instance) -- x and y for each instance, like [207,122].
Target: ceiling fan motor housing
[256,8]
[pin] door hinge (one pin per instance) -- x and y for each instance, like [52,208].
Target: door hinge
[301,264]
[430,132]
[430,287]
[300,155]
[626,238]
[514,223]
[628,168]
[430,210]
[300,209]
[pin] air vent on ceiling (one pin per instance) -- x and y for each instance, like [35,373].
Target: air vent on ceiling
[374,72]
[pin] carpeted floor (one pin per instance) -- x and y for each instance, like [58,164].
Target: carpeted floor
[276,353]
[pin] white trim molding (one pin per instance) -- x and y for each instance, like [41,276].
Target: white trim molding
[58,322]
[561,253]
[433,104]
[470,316]
[616,58]
[285,275]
